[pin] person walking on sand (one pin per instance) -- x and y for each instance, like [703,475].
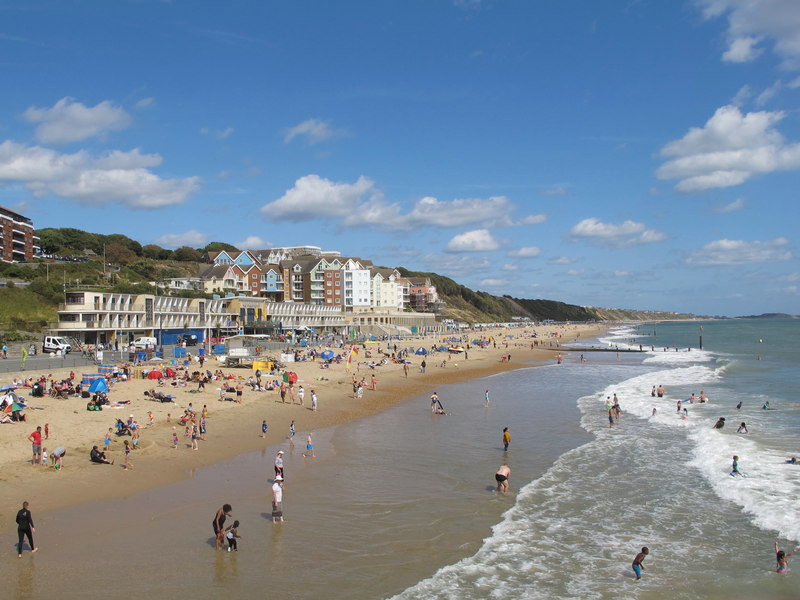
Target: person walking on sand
[501,477]
[25,528]
[309,446]
[637,562]
[301,394]
[506,439]
[780,555]
[219,524]
[292,432]
[277,499]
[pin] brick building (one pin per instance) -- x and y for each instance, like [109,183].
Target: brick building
[18,239]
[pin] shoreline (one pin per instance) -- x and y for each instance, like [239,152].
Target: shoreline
[233,429]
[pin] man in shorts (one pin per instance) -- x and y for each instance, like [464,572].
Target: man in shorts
[501,477]
[36,445]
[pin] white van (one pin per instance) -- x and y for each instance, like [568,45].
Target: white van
[54,343]
[143,343]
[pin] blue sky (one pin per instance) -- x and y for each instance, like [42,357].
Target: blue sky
[636,154]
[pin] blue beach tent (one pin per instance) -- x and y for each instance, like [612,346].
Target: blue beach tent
[98,385]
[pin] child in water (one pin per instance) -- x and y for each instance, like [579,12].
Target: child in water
[742,428]
[735,466]
[783,558]
[637,562]
[232,535]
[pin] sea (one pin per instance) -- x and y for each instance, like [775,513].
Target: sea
[403,504]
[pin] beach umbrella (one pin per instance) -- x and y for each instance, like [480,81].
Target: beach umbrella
[327,354]
[154,374]
[14,407]
[98,385]
[421,351]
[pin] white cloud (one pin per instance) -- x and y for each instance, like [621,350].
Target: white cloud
[455,264]
[728,150]
[742,49]
[562,260]
[313,130]
[70,121]
[794,83]
[314,197]
[191,238]
[220,134]
[754,21]
[769,93]
[742,96]
[253,242]
[510,267]
[114,177]
[145,103]
[739,252]
[478,240]
[575,272]
[555,191]
[361,204]
[737,204]
[626,234]
[526,252]
[494,282]
[532,220]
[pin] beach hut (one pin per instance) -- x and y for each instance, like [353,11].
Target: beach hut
[98,385]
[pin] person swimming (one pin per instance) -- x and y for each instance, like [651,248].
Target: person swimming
[739,406]
[766,406]
[720,423]
[742,428]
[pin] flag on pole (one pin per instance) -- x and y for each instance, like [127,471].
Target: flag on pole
[353,350]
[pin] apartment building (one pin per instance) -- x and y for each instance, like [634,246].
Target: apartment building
[18,239]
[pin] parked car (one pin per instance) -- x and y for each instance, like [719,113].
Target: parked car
[189,338]
[143,343]
[54,343]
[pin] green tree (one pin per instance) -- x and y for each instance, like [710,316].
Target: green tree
[185,253]
[117,253]
[156,252]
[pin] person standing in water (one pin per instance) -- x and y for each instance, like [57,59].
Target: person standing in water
[637,562]
[486,397]
[219,524]
[501,477]
[506,439]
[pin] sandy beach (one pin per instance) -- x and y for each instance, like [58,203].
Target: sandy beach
[233,428]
